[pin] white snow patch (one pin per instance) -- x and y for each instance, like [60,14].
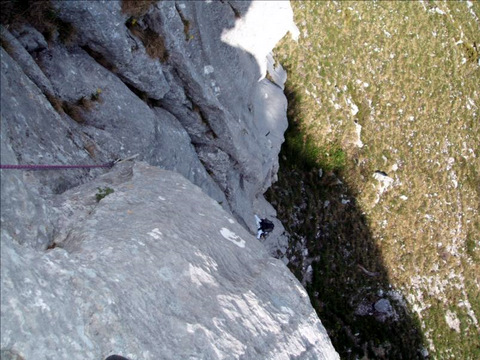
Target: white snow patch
[231,236]
[259,30]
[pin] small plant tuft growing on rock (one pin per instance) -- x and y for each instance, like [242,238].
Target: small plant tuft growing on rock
[56,103]
[186,24]
[153,42]
[103,192]
[137,8]
[38,13]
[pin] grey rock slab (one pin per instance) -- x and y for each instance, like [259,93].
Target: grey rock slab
[100,25]
[25,217]
[259,30]
[384,310]
[31,39]
[18,52]
[383,306]
[246,117]
[28,118]
[119,122]
[155,270]
[176,153]
[276,72]
[277,241]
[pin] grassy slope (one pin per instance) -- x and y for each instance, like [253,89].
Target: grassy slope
[408,73]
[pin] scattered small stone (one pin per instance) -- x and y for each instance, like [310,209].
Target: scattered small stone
[384,310]
[424,352]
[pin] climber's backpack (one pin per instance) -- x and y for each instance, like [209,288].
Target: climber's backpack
[266,226]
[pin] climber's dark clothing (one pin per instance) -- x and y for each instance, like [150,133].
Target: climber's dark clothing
[266,225]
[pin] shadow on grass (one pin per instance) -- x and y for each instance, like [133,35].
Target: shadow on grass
[348,277]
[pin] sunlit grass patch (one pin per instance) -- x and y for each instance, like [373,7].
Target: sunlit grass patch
[393,86]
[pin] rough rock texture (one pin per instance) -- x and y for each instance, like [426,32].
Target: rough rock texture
[155,270]
[233,124]
[199,111]
[101,28]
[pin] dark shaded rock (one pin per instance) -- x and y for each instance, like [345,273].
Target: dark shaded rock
[30,38]
[18,52]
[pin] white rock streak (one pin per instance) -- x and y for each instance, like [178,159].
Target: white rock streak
[156,234]
[231,236]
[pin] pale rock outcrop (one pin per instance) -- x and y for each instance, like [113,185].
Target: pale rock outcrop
[155,270]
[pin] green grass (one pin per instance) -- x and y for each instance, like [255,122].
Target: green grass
[408,74]
[103,192]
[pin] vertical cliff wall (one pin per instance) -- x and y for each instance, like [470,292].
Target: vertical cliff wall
[162,81]
[91,82]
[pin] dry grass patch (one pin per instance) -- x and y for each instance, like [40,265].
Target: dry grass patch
[153,42]
[137,8]
[408,74]
[41,15]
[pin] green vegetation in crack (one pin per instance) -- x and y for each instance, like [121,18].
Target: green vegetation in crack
[103,192]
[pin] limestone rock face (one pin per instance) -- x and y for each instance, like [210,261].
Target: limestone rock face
[106,88]
[101,27]
[154,270]
[160,268]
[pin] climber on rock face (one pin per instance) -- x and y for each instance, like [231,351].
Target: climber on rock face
[265,227]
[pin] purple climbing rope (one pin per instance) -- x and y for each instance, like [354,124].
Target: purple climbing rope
[56,167]
[61,167]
